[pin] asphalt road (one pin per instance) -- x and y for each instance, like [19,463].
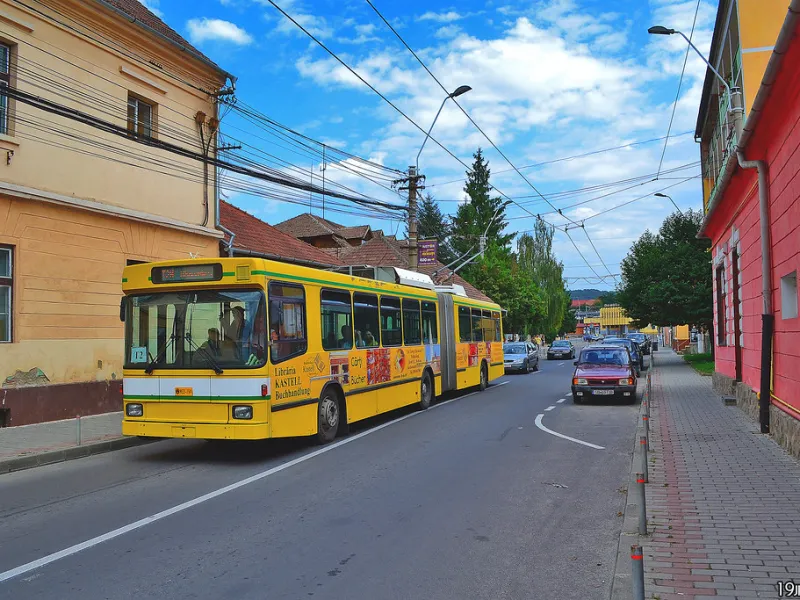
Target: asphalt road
[469,499]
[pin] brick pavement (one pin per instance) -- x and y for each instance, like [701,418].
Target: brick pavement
[723,500]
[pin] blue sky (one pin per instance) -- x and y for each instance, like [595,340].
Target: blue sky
[551,79]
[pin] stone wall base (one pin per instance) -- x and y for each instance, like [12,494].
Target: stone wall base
[784,428]
[37,404]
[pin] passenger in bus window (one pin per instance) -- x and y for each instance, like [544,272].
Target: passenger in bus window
[359,340]
[347,337]
[370,339]
[211,345]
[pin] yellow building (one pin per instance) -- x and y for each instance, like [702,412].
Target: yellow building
[744,35]
[614,319]
[81,196]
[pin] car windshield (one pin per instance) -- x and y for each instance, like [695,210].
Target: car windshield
[617,342]
[514,349]
[560,343]
[604,356]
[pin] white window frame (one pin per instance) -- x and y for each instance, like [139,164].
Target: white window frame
[5,81]
[789,296]
[136,101]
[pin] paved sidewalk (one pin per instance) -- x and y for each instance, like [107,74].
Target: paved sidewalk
[723,500]
[43,443]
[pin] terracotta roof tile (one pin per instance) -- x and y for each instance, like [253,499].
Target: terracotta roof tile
[255,235]
[306,225]
[358,232]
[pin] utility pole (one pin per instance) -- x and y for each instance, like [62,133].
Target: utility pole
[413,186]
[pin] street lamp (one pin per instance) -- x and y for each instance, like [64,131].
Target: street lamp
[735,100]
[660,195]
[462,89]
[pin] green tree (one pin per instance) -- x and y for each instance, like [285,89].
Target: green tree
[606,298]
[569,324]
[501,278]
[432,224]
[482,213]
[666,277]
[535,256]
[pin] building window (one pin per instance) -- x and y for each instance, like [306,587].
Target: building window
[722,317]
[5,81]
[789,296]
[141,116]
[6,289]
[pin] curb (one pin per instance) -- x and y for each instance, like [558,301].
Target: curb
[622,578]
[56,456]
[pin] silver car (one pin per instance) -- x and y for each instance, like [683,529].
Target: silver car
[520,357]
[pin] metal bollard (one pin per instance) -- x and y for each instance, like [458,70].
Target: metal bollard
[78,431]
[637,566]
[642,504]
[643,444]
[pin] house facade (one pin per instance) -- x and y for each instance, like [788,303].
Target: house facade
[752,220]
[88,91]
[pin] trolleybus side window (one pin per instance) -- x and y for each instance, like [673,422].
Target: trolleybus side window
[366,319]
[391,330]
[430,334]
[287,320]
[464,324]
[337,321]
[477,325]
[412,333]
[488,326]
[497,328]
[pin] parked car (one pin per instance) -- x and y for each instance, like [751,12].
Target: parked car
[604,370]
[642,340]
[633,348]
[561,349]
[522,357]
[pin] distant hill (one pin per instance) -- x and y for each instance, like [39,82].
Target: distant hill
[590,294]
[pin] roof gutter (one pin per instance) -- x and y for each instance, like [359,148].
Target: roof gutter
[275,257]
[753,117]
[196,55]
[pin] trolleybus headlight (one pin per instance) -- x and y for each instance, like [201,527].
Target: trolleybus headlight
[243,412]
[134,410]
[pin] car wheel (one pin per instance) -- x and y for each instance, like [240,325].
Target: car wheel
[328,417]
[576,400]
[536,366]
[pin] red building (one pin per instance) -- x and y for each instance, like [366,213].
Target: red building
[752,220]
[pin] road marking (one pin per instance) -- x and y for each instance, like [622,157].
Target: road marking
[50,558]
[561,435]
[569,393]
[562,400]
[549,408]
[561,364]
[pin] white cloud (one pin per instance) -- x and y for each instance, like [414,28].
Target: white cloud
[448,31]
[314,24]
[444,17]
[203,30]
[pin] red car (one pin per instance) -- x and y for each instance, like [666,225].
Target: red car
[604,372]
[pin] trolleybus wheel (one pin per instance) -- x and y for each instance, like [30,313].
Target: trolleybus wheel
[425,391]
[484,377]
[328,417]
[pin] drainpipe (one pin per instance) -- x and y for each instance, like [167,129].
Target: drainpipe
[767,318]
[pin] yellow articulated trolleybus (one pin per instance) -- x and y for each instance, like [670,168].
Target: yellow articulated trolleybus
[250,349]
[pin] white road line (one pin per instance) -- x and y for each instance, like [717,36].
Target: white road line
[562,400]
[50,558]
[549,408]
[561,435]
[561,364]
[569,393]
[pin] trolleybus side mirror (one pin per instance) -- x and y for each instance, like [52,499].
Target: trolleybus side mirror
[122,309]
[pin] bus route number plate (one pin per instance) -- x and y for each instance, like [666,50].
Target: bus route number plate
[184,391]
